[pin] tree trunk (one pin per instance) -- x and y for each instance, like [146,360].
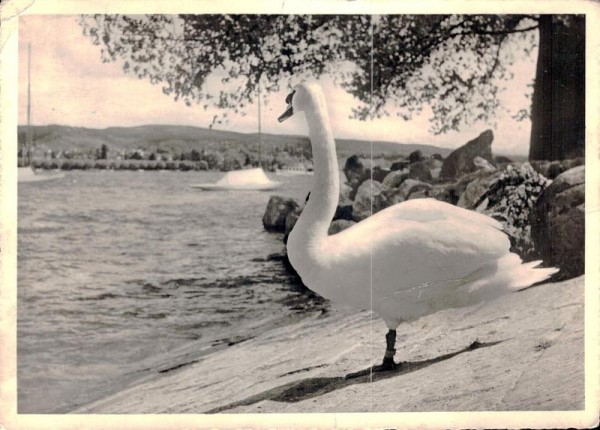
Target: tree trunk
[558,105]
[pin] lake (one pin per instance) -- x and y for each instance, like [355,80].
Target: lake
[125,275]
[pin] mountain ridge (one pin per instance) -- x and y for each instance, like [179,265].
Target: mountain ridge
[168,137]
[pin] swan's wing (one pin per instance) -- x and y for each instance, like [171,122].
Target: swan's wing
[422,233]
[425,210]
[409,259]
[427,221]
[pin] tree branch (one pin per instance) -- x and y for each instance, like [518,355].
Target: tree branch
[497,32]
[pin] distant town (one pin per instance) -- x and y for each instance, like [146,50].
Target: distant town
[165,147]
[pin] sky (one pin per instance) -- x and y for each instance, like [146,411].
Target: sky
[70,85]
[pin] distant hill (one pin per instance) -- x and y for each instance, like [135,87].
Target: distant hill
[177,139]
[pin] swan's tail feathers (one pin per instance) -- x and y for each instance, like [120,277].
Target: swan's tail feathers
[528,274]
[508,274]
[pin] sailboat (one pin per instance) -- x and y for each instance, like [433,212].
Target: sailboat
[246,179]
[26,173]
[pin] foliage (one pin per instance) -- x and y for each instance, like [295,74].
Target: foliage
[511,199]
[451,62]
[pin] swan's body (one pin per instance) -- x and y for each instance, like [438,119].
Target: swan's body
[409,260]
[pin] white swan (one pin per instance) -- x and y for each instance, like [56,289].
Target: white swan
[409,260]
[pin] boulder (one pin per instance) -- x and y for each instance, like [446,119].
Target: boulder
[277,210]
[501,159]
[345,189]
[404,191]
[420,171]
[510,198]
[416,156]
[439,192]
[483,164]
[477,188]
[551,169]
[379,173]
[558,223]
[395,178]
[290,220]
[356,171]
[344,208]
[460,161]
[435,167]
[399,165]
[369,193]
[339,225]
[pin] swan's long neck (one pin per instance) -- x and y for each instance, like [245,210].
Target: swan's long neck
[311,228]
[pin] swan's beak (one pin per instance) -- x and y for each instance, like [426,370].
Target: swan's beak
[290,110]
[288,113]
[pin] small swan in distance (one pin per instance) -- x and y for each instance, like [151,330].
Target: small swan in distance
[406,261]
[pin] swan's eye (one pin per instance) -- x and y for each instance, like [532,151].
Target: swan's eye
[289,97]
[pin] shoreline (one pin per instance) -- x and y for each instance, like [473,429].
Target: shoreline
[530,358]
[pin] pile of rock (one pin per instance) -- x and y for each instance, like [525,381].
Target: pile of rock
[558,223]
[543,219]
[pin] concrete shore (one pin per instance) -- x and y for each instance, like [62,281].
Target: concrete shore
[528,356]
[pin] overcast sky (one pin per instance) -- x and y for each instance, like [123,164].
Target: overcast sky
[71,86]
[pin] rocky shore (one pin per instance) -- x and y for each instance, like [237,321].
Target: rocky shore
[541,204]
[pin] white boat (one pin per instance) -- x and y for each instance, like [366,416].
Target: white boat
[241,180]
[27,174]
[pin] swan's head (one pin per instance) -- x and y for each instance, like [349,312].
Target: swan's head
[305,96]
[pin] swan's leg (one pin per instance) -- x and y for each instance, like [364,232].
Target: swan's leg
[390,351]
[388,359]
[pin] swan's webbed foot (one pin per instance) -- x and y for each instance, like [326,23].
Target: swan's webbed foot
[388,364]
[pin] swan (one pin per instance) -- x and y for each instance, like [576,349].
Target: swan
[409,260]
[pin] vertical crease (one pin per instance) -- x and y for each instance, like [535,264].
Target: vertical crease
[371,208]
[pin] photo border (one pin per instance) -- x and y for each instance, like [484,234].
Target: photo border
[10,419]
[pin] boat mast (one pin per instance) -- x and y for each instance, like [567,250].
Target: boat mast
[29,136]
[259,130]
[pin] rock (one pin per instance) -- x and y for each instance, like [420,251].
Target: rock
[290,220]
[420,171]
[510,199]
[558,223]
[483,164]
[395,178]
[339,225]
[399,165]
[435,173]
[276,212]
[477,188]
[439,192]
[344,209]
[369,192]
[345,189]
[460,161]
[527,338]
[435,167]
[356,171]
[551,169]
[379,173]
[501,159]
[416,156]
[408,187]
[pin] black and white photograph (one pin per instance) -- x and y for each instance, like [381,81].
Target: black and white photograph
[347,215]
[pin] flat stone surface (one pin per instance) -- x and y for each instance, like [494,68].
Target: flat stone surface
[532,358]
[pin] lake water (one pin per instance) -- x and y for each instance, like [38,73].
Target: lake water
[124,275]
